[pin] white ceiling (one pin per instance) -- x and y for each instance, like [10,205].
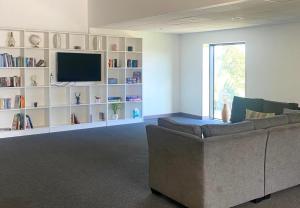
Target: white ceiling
[233,14]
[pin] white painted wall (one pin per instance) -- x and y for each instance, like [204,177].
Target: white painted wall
[272,63]
[103,12]
[161,70]
[63,15]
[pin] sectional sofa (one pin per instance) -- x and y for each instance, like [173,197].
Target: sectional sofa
[220,166]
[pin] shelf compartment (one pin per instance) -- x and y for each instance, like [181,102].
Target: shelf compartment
[41,78]
[77,39]
[116,44]
[97,43]
[135,43]
[39,117]
[82,113]
[39,95]
[64,39]
[60,116]
[17,35]
[121,113]
[130,107]
[98,113]
[59,96]
[7,118]
[116,91]
[84,94]
[99,92]
[43,39]
[117,74]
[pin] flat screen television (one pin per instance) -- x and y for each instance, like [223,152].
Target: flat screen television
[78,67]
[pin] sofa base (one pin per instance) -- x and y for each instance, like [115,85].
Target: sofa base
[256,201]
[168,198]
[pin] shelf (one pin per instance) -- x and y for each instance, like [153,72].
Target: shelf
[134,68]
[22,67]
[140,101]
[98,103]
[36,108]
[41,86]
[12,87]
[116,51]
[134,84]
[116,84]
[59,106]
[77,50]
[117,68]
[78,105]
[12,109]
[139,52]
[116,102]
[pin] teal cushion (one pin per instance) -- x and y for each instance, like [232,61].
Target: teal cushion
[239,106]
[277,107]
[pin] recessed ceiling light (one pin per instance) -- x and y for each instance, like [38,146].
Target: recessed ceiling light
[237,18]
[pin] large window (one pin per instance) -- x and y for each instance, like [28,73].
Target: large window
[226,75]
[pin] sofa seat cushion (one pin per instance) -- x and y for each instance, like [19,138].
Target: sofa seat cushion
[211,130]
[277,107]
[265,123]
[239,106]
[171,124]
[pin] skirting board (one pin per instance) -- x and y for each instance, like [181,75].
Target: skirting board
[179,114]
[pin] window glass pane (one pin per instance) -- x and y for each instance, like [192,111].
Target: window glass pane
[229,75]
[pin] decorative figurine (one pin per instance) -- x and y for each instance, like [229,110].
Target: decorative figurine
[97,99]
[33,81]
[11,41]
[77,98]
[35,40]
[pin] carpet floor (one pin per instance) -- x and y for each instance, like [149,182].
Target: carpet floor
[95,168]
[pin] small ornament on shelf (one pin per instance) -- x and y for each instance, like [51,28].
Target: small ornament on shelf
[97,99]
[11,40]
[35,40]
[114,47]
[77,97]
[115,108]
[57,40]
[33,81]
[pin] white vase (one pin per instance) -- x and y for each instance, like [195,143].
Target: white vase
[115,116]
[57,40]
[97,43]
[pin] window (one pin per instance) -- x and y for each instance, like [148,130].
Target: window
[226,75]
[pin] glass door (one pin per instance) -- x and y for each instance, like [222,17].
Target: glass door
[227,75]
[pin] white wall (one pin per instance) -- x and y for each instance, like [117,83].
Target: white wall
[64,15]
[272,63]
[161,70]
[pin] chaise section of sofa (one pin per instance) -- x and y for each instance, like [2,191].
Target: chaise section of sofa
[215,172]
[282,158]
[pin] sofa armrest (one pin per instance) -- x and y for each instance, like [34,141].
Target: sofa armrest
[176,165]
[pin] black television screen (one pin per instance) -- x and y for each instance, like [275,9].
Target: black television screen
[78,67]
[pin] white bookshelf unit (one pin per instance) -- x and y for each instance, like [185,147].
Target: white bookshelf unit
[50,104]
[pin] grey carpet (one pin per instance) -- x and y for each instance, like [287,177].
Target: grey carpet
[95,168]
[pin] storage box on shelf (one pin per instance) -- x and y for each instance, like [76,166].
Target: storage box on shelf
[32,101]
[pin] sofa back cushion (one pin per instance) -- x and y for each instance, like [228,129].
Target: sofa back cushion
[293,115]
[171,124]
[211,130]
[277,107]
[257,115]
[239,106]
[265,123]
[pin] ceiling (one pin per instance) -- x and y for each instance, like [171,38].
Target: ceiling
[233,14]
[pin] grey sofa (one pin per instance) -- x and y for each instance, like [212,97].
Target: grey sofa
[231,165]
